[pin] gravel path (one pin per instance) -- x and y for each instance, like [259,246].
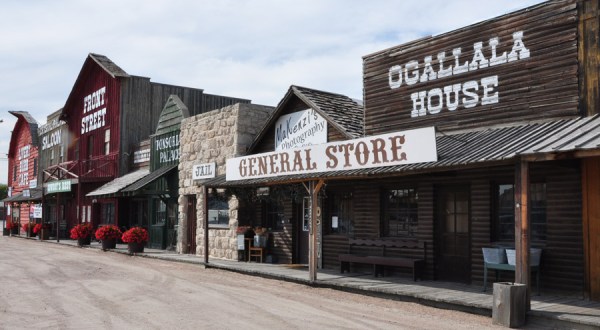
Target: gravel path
[52,286]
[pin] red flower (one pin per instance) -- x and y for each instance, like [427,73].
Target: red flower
[27,226]
[135,234]
[82,230]
[38,228]
[108,232]
[11,225]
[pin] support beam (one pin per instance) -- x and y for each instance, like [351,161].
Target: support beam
[522,228]
[314,188]
[205,220]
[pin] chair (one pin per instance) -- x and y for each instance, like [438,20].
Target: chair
[255,251]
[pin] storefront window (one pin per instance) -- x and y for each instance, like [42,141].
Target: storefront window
[218,209]
[273,215]
[339,213]
[400,212]
[160,208]
[107,214]
[504,217]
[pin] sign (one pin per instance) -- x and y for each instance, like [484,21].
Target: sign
[141,156]
[52,139]
[32,184]
[165,148]
[94,111]
[26,193]
[300,129]
[400,148]
[9,192]
[204,171]
[36,211]
[58,186]
[479,75]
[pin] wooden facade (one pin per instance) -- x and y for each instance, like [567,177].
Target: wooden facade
[539,82]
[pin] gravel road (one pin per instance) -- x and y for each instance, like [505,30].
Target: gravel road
[44,285]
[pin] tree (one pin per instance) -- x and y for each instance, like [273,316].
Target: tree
[3,191]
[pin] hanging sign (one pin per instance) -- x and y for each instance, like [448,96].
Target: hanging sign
[400,148]
[58,186]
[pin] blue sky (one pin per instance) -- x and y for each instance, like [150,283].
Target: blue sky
[252,49]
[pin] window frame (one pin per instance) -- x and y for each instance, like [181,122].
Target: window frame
[410,228]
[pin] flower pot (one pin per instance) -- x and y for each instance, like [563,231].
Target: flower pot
[135,247]
[44,234]
[110,243]
[84,241]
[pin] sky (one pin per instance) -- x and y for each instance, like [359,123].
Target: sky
[252,49]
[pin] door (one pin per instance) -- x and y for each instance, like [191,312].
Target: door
[191,224]
[158,226]
[302,221]
[591,226]
[452,226]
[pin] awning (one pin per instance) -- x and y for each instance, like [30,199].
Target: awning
[576,137]
[34,195]
[149,178]
[113,187]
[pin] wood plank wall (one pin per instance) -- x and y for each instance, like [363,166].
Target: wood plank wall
[563,250]
[545,85]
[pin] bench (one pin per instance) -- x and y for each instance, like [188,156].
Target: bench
[380,261]
[508,267]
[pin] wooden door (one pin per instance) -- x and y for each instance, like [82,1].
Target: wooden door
[591,226]
[453,237]
[191,224]
[302,221]
[158,228]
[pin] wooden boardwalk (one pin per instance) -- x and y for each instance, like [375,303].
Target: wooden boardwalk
[547,310]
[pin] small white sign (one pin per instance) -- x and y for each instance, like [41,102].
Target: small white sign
[26,193]
[204,171]
[141,156]
[334,222]
[37,211]
[300,129]
[32,184]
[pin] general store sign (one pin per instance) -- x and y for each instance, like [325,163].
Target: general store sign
[407,147]
[58,186]
[300,129]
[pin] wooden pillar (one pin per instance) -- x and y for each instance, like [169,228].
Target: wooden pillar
[589,56]
[314,188]
[522,228]
[205,220]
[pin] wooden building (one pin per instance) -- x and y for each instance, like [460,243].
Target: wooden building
[107,113]
[23,189]
[513,101]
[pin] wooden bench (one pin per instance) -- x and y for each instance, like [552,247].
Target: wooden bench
[380,261]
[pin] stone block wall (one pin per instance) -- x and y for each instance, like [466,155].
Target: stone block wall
[210,137]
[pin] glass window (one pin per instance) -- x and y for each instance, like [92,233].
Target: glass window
[218,208]
[504,215]
[160,208]
[108,213]
[273,218]
[338,215]
[107,142]
[400,212]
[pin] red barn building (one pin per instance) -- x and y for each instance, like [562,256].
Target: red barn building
[107,113]
[22,168]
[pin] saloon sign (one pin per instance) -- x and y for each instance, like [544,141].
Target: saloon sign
[407,147]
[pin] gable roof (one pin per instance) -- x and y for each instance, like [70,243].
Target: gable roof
[105,63]
[340,111]
[33,128]
[171,115]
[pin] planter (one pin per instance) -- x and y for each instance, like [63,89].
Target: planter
[135,247]
[109,244]
[535,256]
[509,307]
[84,241]
[5,232]
[44,234]
[494,255]
[14,231]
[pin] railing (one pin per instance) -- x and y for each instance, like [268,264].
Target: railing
[104,166]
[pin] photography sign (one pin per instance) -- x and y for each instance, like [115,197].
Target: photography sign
[300,129]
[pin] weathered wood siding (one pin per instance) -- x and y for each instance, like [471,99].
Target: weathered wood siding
[562,262]
[543,84]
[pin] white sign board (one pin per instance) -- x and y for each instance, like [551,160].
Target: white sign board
[32,184]
[37,211]
[300,129]
[400,148]
[204,171]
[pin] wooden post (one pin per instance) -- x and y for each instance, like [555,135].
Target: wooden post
[314,188]
[522,228]
[205,220]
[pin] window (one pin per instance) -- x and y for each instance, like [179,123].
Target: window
[35,167]
[400,212]
[273,216]
[15,173]
[108,213]
[107,142]
[218,208]
[338,215]
[160,208]
[504,212]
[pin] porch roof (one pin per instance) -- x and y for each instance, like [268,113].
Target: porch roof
[114,186]
[34,195]
[149,178]
[533,141]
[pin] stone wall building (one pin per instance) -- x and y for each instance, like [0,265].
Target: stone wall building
[212,138]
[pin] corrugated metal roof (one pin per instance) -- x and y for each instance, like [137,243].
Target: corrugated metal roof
[149,178]
[35,194]
[119,183]
[492,145]
[171,115]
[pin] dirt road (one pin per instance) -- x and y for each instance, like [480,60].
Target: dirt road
[44,285]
